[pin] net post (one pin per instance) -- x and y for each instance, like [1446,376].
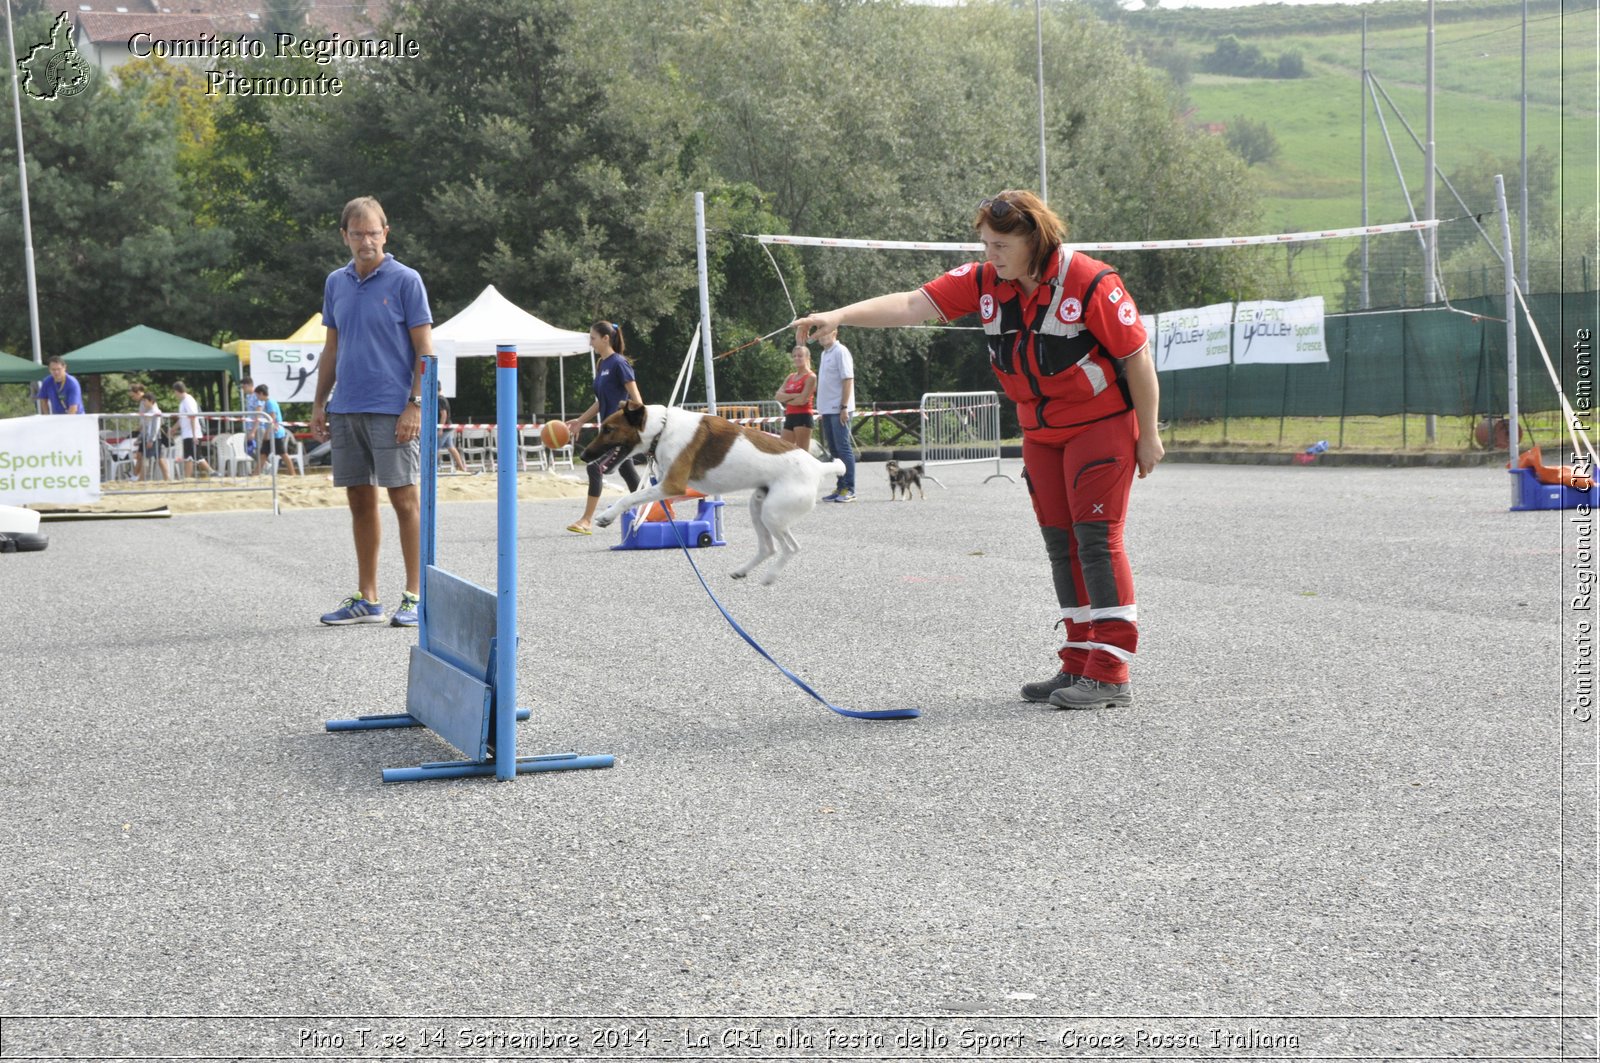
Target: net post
[1512,412]
[706,350]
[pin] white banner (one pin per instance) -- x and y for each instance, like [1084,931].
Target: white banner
[288,369]
[1193,339]
[1274,333]
[49,459]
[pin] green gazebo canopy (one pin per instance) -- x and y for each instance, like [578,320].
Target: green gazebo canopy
[142,347]
[14,370]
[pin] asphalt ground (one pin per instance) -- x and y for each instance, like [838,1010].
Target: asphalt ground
[1334,812]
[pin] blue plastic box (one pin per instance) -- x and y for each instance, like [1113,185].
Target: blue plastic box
[1529,493]
[659,535]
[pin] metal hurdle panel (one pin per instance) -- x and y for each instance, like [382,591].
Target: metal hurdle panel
[462,673]
[960,428]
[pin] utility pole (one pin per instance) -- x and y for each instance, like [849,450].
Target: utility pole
[22,167]
[1366,290]
[1526,221]
[1431,246]
[1038,32]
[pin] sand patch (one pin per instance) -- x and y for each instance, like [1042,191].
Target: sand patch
[312,491]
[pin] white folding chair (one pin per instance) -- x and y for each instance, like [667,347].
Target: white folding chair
[474,445]
[111,466]
[231,456]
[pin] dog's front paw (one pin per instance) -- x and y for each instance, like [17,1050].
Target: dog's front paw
[737,574]
[604,520]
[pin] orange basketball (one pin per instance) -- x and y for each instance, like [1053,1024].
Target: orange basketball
[555,434]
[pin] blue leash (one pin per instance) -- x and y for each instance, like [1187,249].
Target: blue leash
[854,714]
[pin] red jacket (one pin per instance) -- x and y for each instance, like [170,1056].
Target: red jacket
[1058,351]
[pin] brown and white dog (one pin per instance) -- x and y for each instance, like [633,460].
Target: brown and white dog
[713,455]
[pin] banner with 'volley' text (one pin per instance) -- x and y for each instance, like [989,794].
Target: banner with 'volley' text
[1269,332]
[49,459]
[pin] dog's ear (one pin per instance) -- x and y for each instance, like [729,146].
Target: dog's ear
[633,413]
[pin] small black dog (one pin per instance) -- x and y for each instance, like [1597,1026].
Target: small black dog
[903,478]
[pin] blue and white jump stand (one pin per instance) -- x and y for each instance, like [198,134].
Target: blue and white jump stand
[463,674]
[704,529]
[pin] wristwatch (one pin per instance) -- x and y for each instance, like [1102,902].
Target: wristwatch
[416,400]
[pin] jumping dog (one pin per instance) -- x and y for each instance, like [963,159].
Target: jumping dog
[715,456]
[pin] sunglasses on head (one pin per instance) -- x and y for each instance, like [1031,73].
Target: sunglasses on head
[999,207]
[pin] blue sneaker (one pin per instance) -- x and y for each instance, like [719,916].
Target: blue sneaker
[846,495]
[406,615]
[832,496]
[354,610]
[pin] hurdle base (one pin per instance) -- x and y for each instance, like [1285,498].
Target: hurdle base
[393,719]
[462,769]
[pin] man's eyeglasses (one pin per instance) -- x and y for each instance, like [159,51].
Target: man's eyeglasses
[364,234]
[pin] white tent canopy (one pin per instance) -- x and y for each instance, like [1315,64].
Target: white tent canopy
[492,319]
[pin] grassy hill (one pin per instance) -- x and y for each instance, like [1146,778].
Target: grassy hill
[1315,181]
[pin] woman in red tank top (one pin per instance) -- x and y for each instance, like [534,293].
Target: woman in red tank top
[796,394]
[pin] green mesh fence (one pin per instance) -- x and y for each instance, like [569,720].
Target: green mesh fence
[1439,361]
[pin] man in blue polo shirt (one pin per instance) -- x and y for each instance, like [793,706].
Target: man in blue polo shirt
[60,393]
[369,402]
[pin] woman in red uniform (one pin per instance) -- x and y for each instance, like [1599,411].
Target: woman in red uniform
[1065,340]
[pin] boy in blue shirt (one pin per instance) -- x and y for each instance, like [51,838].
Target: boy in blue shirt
[274,437]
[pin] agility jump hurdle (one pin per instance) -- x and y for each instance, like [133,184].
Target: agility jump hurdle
[462,680]
[960,428]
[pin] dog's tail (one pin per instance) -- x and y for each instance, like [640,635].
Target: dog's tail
[835,466]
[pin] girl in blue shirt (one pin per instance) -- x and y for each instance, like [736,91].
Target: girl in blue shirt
[614,384]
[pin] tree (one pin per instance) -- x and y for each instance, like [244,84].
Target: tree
[860,148]
[115,243]
[1252,141]
[514,151]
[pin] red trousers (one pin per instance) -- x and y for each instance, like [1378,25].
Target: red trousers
[1080,496]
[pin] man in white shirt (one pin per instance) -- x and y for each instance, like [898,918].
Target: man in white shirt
[189,430]
[836,381]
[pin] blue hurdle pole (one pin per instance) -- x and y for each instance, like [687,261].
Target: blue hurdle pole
[430,485]
[505,730]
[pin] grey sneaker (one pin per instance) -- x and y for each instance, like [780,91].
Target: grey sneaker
[406,615]
[1042,690]
[1089,693]
[846,495]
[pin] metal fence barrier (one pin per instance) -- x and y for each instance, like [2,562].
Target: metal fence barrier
[960,428]
[764,414]
[143,454]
